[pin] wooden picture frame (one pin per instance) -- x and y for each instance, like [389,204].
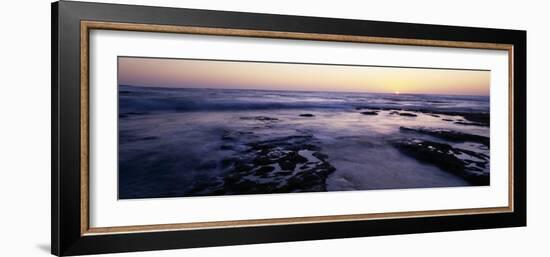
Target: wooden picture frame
[71,26]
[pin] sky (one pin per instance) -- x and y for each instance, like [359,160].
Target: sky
[189,73]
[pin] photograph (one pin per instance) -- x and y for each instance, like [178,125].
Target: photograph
[201,127]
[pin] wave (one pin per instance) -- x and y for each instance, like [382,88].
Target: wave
[137,99]
[190,105]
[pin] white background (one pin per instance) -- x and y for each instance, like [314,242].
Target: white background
[25,128]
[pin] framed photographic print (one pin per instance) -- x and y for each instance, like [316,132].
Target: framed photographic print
[177,128]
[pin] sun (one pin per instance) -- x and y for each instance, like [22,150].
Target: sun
[396,92]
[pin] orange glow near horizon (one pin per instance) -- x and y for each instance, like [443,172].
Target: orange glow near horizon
[185,73]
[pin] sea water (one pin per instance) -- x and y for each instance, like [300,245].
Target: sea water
[181,142]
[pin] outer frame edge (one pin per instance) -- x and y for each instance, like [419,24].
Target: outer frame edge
[68,244]
[54,131]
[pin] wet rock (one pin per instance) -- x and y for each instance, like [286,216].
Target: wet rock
[284,173]
[290,160]
[287,164]
[470,123]
[478,118]
[481,118]
[450,135]
[307,115]
[265,169]
[471,166]
[130,114]
[407,114]
[320,156]
[370,113]
[368,107]
[259,118]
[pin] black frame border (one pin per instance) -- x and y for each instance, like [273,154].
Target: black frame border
[66,236]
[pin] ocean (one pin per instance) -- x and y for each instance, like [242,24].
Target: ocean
[184,142]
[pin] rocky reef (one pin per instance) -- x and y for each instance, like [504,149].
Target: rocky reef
[467,164]
[470,118]
[286,164]
[258,165]
[407,114]
[447,134]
